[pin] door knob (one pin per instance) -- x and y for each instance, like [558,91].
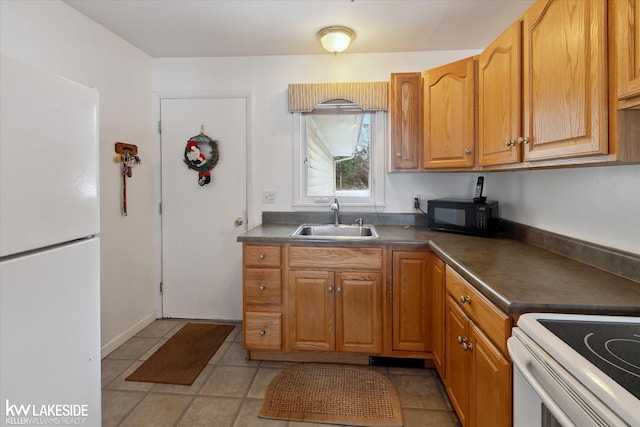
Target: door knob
[239,220]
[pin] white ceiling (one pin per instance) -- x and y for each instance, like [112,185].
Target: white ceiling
[209,28]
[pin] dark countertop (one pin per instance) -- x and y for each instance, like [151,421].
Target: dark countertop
[521,278]
[515,276]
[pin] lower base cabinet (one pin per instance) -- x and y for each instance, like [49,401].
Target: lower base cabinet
[478,376]
[335,311]
[382,301]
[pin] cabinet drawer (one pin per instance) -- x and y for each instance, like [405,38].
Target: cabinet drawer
[261,256]
[492,321]
[335,258]
[263,331]
[262,286]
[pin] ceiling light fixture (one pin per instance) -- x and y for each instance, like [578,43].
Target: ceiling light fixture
[336,39]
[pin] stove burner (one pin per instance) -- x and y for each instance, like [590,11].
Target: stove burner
[618,352]
[612,347]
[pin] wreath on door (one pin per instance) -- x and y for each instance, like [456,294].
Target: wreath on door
[201,154]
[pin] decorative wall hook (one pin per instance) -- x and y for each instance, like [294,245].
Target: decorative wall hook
[128,157]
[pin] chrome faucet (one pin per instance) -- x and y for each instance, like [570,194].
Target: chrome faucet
[335,207]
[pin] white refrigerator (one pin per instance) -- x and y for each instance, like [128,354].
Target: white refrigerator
[49,249]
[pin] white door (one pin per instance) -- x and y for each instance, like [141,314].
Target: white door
[201,260]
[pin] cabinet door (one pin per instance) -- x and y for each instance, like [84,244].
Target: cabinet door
[499,100]
[438,332]
[491,387]
[411,296]
[405,104]
[449,115]
[565,79]
[626,14]
[458,361]
[311,306]
[359,312]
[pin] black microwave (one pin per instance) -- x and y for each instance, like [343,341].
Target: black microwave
[463,216]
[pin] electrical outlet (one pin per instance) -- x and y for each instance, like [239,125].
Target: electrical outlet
[416,201]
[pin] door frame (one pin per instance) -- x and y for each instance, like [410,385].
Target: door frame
[156,98]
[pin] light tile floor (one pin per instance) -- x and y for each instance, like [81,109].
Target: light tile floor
[229,391]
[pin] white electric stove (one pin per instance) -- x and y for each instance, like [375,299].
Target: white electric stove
[576,370]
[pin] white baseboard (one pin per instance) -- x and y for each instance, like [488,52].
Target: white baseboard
[128,333]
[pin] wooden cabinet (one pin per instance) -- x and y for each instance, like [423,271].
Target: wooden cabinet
[580,64]
[565,79]
[437,277]
[478,374]
[335,299]
[412,296]
[458,362]
[557,58]
[499,99]
[405,110]
[625,23]
[449,115]
[262,297]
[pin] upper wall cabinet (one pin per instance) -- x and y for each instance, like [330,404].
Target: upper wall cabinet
[565,79]
[625,15]
[499,100]
[449,115]
[405,108]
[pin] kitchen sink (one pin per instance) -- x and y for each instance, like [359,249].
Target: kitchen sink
[341,231]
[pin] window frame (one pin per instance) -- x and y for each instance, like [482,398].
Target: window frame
[377,154]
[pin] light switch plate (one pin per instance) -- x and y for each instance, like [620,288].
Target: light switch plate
[268,196]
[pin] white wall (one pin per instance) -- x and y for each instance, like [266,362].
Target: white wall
[54,37]
[595,204]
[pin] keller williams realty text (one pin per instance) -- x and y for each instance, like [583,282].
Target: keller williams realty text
[56,414]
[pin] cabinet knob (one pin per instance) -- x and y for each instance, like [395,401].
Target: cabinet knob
[262,332]
[464,299]
[261,287]
[522,140]
[466,346]
[330,288]
[398,156]
[261,256]
[467,151]
[338,289]
[509,143]
[459,339]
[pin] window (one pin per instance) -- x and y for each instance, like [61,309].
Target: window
[339,153]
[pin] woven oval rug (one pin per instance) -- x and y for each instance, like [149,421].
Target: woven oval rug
[333,394]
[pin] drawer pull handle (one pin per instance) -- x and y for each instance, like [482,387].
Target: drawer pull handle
[261,287]
[262,332]
[261,256]
[464,299]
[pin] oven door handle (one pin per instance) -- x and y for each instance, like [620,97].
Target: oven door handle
[522,361]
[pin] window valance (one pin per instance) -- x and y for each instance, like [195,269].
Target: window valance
[369,95]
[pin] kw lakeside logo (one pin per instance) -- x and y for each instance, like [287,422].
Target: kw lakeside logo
[46,414]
